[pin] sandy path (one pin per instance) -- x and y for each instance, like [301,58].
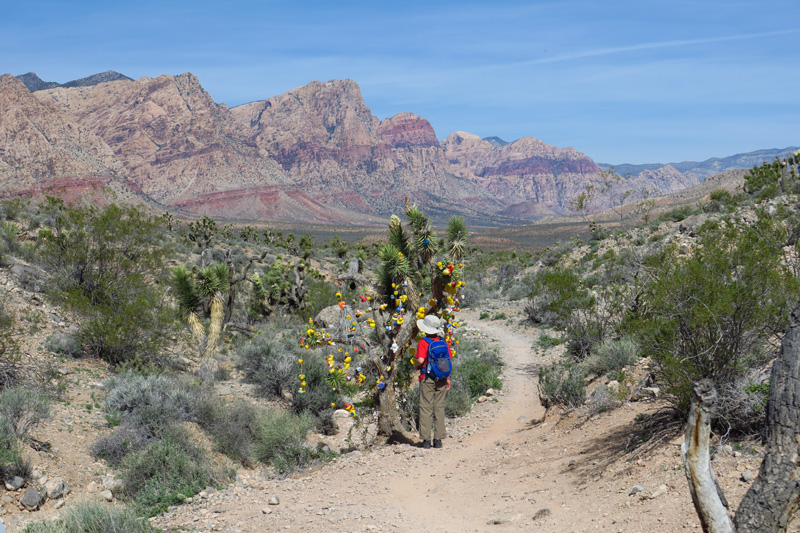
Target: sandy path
[396,486]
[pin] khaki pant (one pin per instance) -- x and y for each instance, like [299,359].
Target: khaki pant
[431,404]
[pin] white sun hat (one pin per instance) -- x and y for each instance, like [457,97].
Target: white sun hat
[431,325]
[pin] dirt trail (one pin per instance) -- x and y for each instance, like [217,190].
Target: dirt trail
[497,471]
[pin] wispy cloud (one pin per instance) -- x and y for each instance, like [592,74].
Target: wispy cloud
[649,46]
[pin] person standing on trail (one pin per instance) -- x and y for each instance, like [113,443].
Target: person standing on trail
[433,361]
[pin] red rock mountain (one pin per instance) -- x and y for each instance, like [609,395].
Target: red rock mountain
[326,138]
[316,154]
[39,145]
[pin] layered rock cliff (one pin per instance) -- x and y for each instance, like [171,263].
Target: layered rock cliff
[316,153]
[39,145]
[327,139]
[175,141]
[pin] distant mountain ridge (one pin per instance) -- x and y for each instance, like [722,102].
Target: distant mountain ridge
[714,165]
[34,83]
[315,154]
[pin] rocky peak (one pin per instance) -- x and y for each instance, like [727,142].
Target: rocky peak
[95,79]
[35,83]
[405,130]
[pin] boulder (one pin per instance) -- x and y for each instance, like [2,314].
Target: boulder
[31,500]
[55,488]
[14,483]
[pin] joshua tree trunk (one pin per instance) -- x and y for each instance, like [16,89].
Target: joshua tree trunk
[774,498]
[389,423]
[709,502]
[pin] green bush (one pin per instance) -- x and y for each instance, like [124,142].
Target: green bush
[230,425]
[547,341]
[103,264]
[10,453]
[711,315]
[167,472]
[23,409]
[318,394]
[563,384]
[63,344]
[556,292]
[279,441]
[610,356]
[91,517]
[478,376]
[678,213]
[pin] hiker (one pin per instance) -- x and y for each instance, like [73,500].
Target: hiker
[433,360]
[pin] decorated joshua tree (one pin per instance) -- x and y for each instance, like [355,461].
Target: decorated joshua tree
[411,283]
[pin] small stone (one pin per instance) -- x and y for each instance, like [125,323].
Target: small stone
[660,491]
[747,476]
[274,500]
[266,510]
[572,462]
[504,519]
[107,495]
[91,487]
[31,499]
[43,479]
[636,489]
[14,483]
[542,513]
[59,503]
[612,385]
[737,454]
[491,392]
[483,399]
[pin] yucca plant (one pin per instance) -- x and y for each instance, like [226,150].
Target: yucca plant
[203,291]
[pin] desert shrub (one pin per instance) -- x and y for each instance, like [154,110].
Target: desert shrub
[123,441]
[478,376]
[718,200]
[556,292]
[563,384]
[548,341]
[582,333]
[154,401]
[269,364]
[102,264]
[318,394]
[93,517]
[279,440]
[742,405]
[23,409]
[230,425]
[166,472]
[10,453]
[677,214]
[9,240]
[610,356]
[12,209]
[712,314]
[63,344]
[458,400]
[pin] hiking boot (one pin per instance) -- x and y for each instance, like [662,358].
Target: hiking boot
[426,444]
[437,443]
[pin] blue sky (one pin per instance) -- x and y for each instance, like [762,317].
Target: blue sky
[622,81]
